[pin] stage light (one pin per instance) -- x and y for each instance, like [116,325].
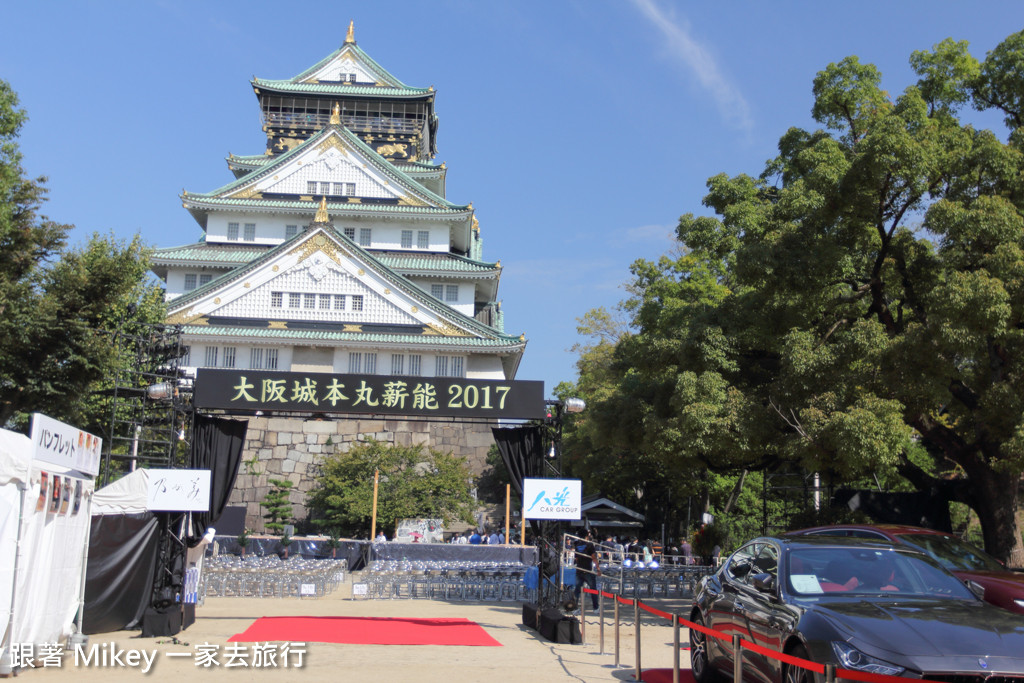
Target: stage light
[551,452]
[159,392]
[575,405]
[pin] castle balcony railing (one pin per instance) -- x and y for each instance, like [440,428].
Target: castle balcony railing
[356,123]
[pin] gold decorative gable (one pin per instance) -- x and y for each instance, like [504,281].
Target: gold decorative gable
[331,141]
[247,193]
[187,317]
[443,329]
[320,243]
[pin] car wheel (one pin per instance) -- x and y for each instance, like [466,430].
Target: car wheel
[700,663]
[796,674]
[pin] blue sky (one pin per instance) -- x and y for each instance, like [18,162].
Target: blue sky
[579,129]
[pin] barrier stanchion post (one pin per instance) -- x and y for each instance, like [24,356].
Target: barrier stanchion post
[583,615]
[636,637]
[600,616]
[675,653]
[616,631]
[737,660]
[830,673]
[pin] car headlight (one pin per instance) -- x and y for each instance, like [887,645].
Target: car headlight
[851,658]
[1019,603]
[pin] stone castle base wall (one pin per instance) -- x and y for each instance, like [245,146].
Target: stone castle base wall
[293,448]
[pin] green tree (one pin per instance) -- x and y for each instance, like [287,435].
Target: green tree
[863,294]
[414,482]
[58,306]
[278,507]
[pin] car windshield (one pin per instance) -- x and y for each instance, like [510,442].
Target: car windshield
[952,553]
[853,571]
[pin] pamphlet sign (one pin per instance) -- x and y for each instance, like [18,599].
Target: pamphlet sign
[552,499]
[61,444]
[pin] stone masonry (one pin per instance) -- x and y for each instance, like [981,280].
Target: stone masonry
[292,448]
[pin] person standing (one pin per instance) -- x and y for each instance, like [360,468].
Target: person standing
[588,568]
[475,538]
[687,552]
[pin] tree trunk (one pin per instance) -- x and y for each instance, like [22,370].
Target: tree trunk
[994,499]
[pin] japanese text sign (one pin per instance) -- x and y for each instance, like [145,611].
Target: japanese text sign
[61,444]
[251,390]
[179,490]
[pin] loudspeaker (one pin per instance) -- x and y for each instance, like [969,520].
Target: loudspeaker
[161,622]
[569,631]
[548,626]
[530,615]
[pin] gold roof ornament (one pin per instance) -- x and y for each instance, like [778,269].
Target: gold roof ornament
[350,37]
[476,225]
[321,213]
[336,114]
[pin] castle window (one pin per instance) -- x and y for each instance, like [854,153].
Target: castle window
[311,186]
[309,300]
[325,188]
[229,356]
[365,237]
[370,364]
[271,359]
[355,362]
[256,358]
[290,231]
[451,293]
[325,301]
[441,366]
[350,233]
[357,302]
[449,366]
[210,359]
[233,232]
[339,302]
[250,232]
[204,279]
[190,282]
[294,300]
[437,291]
[407,239]
[423,239]
[397,363]
[276,299]
[414,364]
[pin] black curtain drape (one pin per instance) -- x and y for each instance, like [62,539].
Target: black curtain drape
[522,451]
[217,445]
[119,574]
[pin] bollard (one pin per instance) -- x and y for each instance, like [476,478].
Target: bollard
[600,612]
[737,660]
[636,638]
[583,616]
[675,642]
[616,632]
[830,673]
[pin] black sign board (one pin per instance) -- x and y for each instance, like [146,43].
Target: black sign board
[313,392]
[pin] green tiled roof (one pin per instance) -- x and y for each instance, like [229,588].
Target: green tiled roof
[331,335]
[382,73]
[340,89]
[333,208]
[397,279]
[379,162]
[433,262]
[201,252]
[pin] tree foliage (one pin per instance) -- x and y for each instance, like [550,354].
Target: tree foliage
[414,482]
[58,305]
[862,295]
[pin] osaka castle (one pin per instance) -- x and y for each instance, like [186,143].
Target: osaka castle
[336,250]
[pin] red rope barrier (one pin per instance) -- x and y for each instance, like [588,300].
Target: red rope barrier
[656,612]
[847,674]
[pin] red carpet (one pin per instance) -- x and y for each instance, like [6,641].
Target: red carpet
[366,631]
[665,676]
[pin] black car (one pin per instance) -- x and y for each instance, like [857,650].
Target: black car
[867,606]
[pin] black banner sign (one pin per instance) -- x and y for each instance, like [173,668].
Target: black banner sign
[312,392]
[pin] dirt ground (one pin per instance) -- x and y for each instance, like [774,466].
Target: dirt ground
[523,655]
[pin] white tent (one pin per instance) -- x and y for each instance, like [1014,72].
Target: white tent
[42,549]
[126,496]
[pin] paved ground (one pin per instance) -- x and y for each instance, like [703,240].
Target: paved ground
[524,655]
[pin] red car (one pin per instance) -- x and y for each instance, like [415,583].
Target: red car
[984,574]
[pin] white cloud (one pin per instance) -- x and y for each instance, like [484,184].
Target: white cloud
[699,61]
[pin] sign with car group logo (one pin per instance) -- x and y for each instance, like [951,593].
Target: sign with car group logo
[552,499]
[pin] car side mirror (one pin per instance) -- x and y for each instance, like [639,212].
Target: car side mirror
[764,583]
[976,588]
